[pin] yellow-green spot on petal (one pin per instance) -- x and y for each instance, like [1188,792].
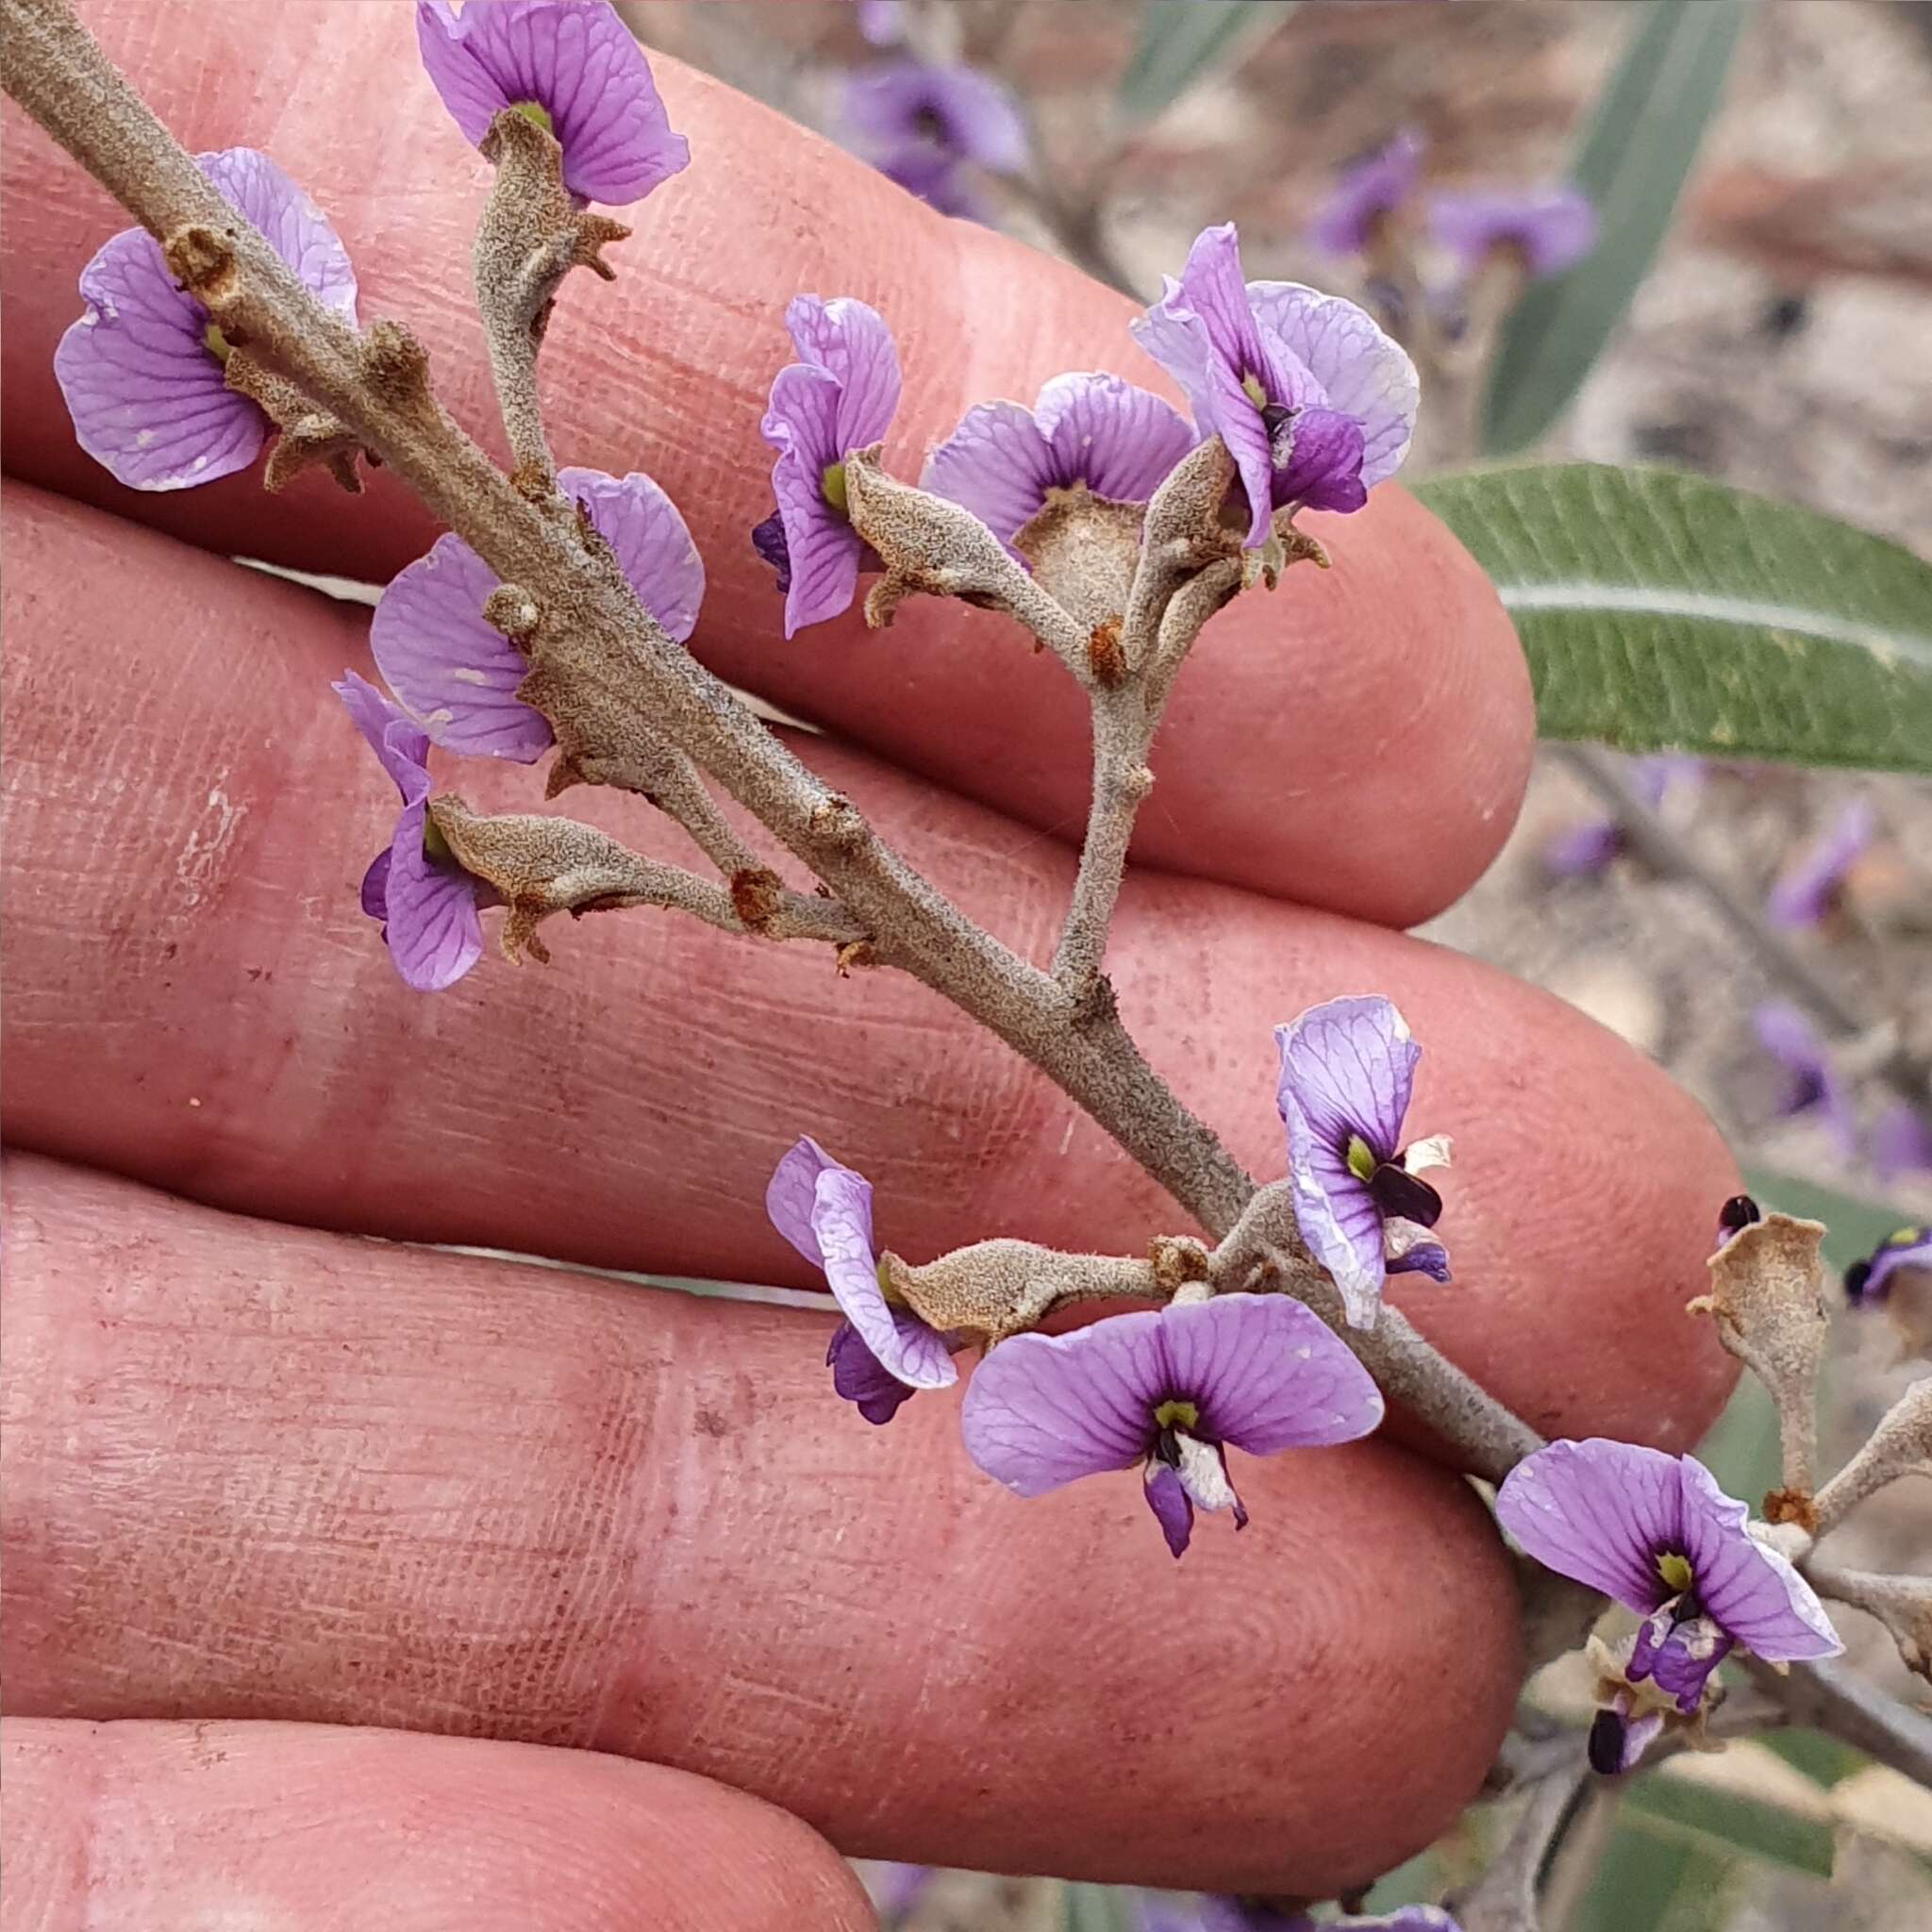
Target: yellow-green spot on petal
[832,488]
[216,343]
[435,846]
[1675,1572]
[883,1275]
[1176,1415]
[534,112]
[1251,387]
[1361,1158]
[1905,1237]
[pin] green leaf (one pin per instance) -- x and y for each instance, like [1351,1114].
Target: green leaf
[1661,610]
[1096,1908]
[1632,163]
[1647,1881]
[1727,1820]
[1852,1229]
[1741,1447]
[1825,1760]
[1182,41]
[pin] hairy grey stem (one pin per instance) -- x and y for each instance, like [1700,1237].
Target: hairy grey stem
[1659,846]
[1503,1899]
[1830,1696]
[378,387]
[1900,1445]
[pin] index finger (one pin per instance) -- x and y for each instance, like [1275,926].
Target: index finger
[1304,752]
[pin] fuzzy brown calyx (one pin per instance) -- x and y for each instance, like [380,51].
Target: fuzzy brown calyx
[1084,550]
[309,437]
[999,1288]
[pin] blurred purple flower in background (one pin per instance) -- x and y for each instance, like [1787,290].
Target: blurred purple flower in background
[1812,888]
[922,123]
[1089,428]
[1906,1250]
[882,23]
[573,67]
[1167,1390]
[1587,849]
[1348,223]
[1901,1141]
[1315,404]
[1812,1081]
[882,1352]
[1552,228]
[142,372]
[1222,1913]
[838,396]
[1654,1532]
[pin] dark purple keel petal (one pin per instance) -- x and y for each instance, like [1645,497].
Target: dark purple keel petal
[1678,1656]
[861,1378]
[1905,1252]
[1599,1511]
[768,540]
[1318,462]
[1169,1502]
[1422,1256]
[375,886]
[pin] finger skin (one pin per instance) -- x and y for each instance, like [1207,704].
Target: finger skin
[1359,740]
[257,1473]
[196,999]
[310,1828]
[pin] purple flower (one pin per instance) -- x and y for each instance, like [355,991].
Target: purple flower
[1618,1739]
[883,24]
[1348,222]
[1093,429]
[1901,1141]
[1314,403]
[141,370]
[1790,1040]
[934,178]
[1812,888]
[1346,1070]
[1221,1913]
[1868,1283]
[426,901]
[1656,1533]
[1166,1389]
[459,675]
[958,112]
[1586,850]
[882,1350]
[1552,228]
[573,67]
[838,396]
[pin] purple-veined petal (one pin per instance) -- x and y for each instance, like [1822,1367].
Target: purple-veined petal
[1344,223]
[457,674]
[292,224]
[823,551]
[1363,372]
[960,112]
[1554,227]
[997,464]
[1118,440]
[434,933]
[791,1193]
[1042,1411]
[1749,1589]
[374,893]
[842,1221]
[1267,1374]
[1323,470]
[801,420]
[860,1379]
[1176,339]
[852,343]
[577,60]
[1212,287]
[1677,1655]
[1350,1063]
[1598,1511]
[146,394]
[1167,1496]
[1809,890]
[1336,1214]
[650,539]
[400,744]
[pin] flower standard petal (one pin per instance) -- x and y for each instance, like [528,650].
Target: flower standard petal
[1749,1589]
[1345,223]
[456,671]
[649,537]
[1598,1511]
[1552,227]
[997,464]
[1350,1063]
[1363,372]
[791,1193]
[851,343]
[431,925]
[1266,1375]
[842,1221]
[575,60]
[1042,1411]
[292,224]
[1118,440]
[823,551]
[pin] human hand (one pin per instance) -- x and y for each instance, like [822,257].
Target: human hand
[263,1471]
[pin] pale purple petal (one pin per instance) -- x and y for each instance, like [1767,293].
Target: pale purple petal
[1790,1038]
[1584,850]
[852,343]
[1344,224]
[1362,371]
[455,672]
[650,539]
[433,931]
[1042,1411]
[1337,1215]
[841,1220]
[147,396]
[860,1379]
[958,110]
[293,226]
[400,744]
[1600,1513]
[1750,1590]
[1118,440]
[1267,1374]
[791,1193]
[1167,1496]
[883,24]
[1810,890]
[1901,1141]
[935,179]
[577,61]
[1176,339]
[1322,468]
[997,464]
[1554,226]
[823,552]
[1350,1063]
[1868,1283]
